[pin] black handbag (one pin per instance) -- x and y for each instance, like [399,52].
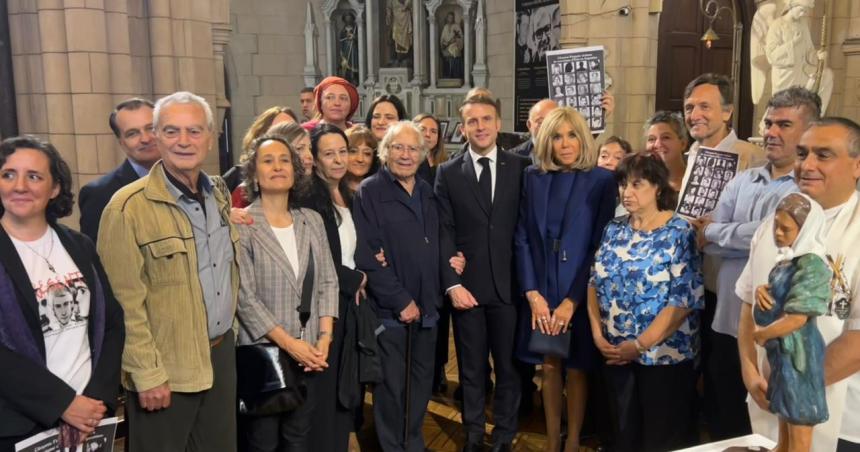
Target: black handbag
[269,380]
[545,344]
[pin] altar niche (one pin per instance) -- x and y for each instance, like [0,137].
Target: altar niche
[451,49]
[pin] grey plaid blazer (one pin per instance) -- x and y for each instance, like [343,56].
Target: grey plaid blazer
[270,289]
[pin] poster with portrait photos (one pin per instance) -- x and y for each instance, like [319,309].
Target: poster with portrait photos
[711,171]
[577,79]
[101,440]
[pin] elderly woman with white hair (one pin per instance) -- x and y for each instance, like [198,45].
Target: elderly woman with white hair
[396,211]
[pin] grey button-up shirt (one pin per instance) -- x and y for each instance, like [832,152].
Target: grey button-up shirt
[214,251]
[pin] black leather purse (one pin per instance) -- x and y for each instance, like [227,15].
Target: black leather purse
[545,344]
[269,380]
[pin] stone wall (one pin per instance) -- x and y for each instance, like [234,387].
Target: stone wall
[74,60]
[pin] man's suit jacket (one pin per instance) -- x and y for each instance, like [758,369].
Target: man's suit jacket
[483,232]
[525,149]
[94,197]
[31,397]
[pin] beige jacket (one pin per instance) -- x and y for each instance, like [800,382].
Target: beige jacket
[147,247]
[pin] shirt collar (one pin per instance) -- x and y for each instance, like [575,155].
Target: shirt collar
[387,173]
[139,169]
[490,155]
[178,189]
[762,173]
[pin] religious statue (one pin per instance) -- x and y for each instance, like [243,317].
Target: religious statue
[798,290]
[398,17]
[782,44]
[451,42]
[348,46]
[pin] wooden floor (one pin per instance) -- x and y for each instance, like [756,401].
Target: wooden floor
[443,424]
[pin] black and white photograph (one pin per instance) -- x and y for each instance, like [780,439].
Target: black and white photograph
[556,68]
[537,26]
[586,82]
[703,189]
[102,440]
[457,135]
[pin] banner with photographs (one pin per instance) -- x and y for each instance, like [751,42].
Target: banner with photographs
[49,441]
[577,79]
[711,171]
[538,30]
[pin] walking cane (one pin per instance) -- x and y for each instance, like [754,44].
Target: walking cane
[408,386]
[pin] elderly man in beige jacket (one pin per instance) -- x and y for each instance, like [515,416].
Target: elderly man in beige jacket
[169,250]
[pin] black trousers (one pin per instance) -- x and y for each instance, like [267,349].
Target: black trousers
[847,446]
[442,327]
[389,396]
[725,394]
[283,433]
[200,421]
[333,434]
[652,406]
[488,328]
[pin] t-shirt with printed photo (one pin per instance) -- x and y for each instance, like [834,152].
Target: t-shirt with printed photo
[64,307]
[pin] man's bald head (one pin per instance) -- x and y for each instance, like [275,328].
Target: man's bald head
[537,113]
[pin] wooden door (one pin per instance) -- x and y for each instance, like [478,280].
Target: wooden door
[682,56]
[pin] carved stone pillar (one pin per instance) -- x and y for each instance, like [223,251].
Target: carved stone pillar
[418,47]
[358,7]
[480,70]
[309,72]
[372,51]
[328,7]
[431,6]
[466,5]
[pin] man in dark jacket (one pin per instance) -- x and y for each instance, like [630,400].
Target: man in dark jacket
[131,122]
[396,211]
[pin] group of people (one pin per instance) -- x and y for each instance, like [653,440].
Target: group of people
[562,253]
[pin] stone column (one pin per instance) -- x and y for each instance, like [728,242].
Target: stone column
[431,6]
[466,5]
[309,72]
[358,7]
[417,44]
[480,70]
[372,51]
[220,39]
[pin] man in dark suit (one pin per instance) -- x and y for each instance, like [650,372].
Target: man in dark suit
[536,115]
[131,122]
[478,194]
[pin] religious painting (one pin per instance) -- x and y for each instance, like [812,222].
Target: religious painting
[347,45]
[449,24]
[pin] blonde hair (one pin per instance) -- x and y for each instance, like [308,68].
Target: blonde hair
[262,124]
[588,151]
[393,132]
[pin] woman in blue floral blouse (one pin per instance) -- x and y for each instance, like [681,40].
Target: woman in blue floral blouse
[643,298]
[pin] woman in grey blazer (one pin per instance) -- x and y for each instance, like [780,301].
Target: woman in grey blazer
[275,249]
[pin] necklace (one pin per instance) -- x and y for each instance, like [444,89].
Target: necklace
[50,250]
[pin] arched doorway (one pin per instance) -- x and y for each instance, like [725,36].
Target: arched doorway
[682,56]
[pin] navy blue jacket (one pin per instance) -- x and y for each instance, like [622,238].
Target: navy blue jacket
[384,219]
[586,213]
[95,195]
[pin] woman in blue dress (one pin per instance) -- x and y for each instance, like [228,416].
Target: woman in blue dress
[643,300]
[798,290]
[566,203]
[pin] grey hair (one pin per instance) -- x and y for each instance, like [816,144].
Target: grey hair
[797,97]
[183,97]
[394,131]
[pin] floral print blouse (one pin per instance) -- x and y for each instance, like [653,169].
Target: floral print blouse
[638,273]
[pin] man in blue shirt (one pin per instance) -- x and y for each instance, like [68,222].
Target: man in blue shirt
[726,232]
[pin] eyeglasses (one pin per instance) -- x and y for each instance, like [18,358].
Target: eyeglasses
[403,147]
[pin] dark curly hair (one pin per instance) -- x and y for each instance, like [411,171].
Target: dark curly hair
[318,197]
[61,205]
[652,169]
[249,170]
